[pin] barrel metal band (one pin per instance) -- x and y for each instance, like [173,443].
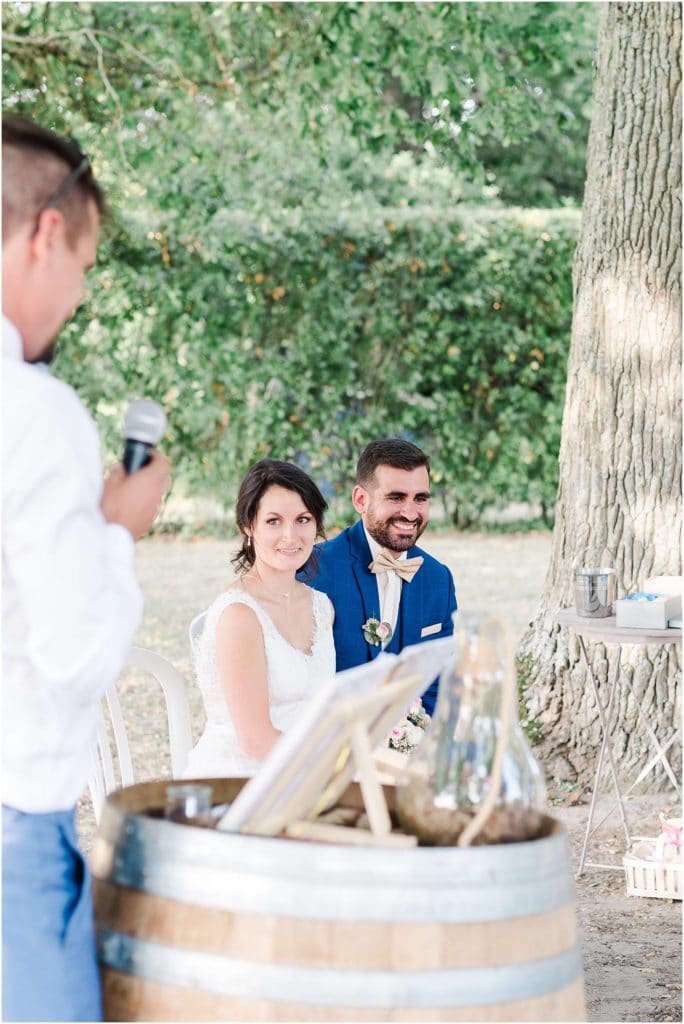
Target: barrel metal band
[244,889]
[228,976]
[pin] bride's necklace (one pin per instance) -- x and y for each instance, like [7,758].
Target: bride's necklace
[278,596]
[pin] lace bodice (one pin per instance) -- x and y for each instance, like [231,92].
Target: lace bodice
[292,677]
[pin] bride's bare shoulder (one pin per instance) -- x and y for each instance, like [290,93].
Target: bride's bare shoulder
[237,615]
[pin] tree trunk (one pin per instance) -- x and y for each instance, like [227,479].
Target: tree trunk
[620,456]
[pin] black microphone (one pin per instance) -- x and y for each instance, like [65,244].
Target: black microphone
[144,426]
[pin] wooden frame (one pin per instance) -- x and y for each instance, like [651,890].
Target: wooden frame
[310,767]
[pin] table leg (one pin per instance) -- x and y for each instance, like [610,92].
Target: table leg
[654,739]
[606,718]
[642,775]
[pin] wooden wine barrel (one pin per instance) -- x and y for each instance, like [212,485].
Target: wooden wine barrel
[195,924]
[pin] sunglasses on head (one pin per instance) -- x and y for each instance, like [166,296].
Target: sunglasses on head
[63,189]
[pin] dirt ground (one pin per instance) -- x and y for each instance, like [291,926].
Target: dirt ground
[632,945]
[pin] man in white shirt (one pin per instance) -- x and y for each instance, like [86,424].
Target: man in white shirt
[70,600]
[387,592]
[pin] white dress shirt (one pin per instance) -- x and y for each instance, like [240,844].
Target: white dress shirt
[70,600]
[389,587]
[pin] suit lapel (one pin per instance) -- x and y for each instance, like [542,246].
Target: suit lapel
[366,581]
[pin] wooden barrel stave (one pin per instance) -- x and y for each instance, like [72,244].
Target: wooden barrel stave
[139,999]
[367,945]
[228,950]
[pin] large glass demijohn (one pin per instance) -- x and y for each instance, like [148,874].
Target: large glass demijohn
[474,778]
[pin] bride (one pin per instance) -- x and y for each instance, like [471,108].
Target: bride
[267,640]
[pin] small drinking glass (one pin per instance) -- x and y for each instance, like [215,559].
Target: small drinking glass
[189,803]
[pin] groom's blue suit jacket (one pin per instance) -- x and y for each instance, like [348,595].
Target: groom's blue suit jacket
[427,602]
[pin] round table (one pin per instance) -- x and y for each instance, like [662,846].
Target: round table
[606,631]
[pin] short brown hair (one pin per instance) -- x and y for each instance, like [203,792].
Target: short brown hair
[35,162]
[389,451]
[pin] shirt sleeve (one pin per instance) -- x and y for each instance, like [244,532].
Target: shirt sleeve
[71,570]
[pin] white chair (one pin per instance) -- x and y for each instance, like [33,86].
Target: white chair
[195,632]
[102,777]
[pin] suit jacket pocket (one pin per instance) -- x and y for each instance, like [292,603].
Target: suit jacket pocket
[430,630]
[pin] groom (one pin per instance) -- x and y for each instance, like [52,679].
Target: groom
[373,570]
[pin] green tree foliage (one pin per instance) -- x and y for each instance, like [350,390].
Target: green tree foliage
[304,252]
[500,90]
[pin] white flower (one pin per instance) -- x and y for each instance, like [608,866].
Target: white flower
[408,733]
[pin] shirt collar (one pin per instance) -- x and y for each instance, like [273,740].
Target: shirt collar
[12,346]
[376,548]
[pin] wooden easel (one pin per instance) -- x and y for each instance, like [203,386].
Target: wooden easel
[346,735]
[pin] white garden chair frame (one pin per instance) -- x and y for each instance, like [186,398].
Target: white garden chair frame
[103,778]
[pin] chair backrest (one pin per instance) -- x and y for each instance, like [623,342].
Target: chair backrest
[102,777]
[195,632]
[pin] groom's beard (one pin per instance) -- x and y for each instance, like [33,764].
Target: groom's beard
[382,532]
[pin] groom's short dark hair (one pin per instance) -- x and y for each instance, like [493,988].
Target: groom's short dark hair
[389,451]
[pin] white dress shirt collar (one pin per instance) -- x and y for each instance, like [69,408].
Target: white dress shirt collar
[12,345]
[389,588]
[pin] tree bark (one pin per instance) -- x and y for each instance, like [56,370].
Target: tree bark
[620,455]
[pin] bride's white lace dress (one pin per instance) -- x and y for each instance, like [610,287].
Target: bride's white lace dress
[292,677]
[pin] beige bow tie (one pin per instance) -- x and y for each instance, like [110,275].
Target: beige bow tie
[406,568]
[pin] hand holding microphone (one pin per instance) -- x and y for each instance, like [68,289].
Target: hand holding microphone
[133,491]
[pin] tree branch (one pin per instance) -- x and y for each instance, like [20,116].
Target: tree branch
[53,44]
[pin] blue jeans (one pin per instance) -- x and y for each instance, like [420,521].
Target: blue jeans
[49,965]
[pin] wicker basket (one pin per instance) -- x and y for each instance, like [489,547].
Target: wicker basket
[648,875]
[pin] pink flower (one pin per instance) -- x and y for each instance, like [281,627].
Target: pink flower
[376,632]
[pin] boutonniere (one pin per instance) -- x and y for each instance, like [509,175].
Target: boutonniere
[409,732]
[376,632]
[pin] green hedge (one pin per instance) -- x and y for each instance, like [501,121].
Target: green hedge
[303,339]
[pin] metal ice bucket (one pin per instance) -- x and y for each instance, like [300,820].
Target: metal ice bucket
[595,592]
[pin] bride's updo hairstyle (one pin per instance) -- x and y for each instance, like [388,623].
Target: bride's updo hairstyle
[273,473]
